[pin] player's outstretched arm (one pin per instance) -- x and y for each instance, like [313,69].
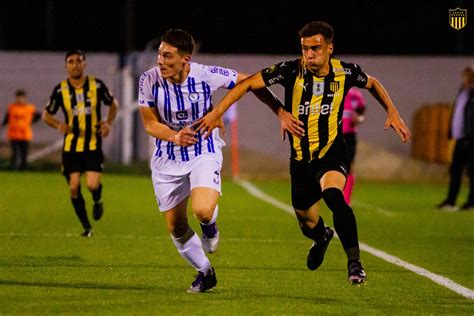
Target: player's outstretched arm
[256,84]
[212,119]
[154,127]
[288,123]
[393,117]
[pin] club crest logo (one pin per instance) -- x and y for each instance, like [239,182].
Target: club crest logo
[457,18]
[334,86]
[193,96]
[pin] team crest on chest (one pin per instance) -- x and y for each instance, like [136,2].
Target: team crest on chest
[318,88]
[334,86]
[193,96]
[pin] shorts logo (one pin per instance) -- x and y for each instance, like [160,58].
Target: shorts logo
[217,177]
[343,169]
[318,88]
[194,96]
[182,115]
[457,18]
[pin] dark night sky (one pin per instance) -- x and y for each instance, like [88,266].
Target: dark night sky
[362,27]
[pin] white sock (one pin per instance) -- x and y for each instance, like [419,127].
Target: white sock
[190,248]
[214,216]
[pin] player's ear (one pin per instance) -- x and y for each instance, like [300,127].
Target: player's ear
[330,48]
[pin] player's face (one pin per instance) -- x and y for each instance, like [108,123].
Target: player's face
[75,65]
[316,52]
[170,62]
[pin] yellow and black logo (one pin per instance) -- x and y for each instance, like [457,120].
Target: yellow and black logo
[334,86]
[457,18]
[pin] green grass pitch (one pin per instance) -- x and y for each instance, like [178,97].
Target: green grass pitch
[130,266]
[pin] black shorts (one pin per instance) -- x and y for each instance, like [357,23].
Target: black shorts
[305,176]
[81,162]
[351,142]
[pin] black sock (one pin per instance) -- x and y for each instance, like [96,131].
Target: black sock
[97,194]
[344,222]
[316,233]
[353,255]
[80,207]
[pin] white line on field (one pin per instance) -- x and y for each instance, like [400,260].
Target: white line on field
[373,207]
[453,286]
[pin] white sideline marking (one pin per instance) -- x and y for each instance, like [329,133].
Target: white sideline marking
[373,207]
[453,286]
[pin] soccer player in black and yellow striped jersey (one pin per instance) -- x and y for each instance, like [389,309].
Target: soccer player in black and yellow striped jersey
[315,88]
[80,98]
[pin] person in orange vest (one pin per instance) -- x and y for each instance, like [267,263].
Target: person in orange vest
[19,117]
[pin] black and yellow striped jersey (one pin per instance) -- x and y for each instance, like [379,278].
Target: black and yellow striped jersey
[316,101]
[81,108]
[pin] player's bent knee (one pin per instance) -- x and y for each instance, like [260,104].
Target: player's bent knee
[92,187]
[74,190]
[334,199]
[204,213]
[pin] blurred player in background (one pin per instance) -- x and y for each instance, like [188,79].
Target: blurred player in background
[172,96]
[353,115]
[19,117]
[462,131]
[315,87]
[80,98]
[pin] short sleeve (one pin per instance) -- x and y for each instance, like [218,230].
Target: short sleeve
[145,91]
[221,77]
[280,73]
[104,94]
[357,78]
[55,101]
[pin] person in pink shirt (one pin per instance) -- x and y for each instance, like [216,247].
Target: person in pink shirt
[353,115]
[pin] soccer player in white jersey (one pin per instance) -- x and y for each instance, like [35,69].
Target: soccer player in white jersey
[172,96]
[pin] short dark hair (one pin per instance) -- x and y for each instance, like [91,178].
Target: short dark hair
[180,39]
[20,93]
[318,27]
[75,52]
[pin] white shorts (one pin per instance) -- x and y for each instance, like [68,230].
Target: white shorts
[174,180]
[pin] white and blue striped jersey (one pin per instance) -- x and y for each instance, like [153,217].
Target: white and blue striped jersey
[180,105]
